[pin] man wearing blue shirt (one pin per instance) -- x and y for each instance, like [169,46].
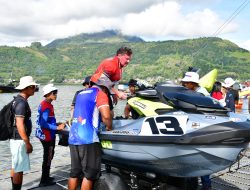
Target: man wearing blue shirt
[92,106]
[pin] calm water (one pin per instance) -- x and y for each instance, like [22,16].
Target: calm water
[61,105]
[62,113]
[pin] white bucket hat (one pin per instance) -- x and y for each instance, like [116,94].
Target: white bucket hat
[25,82]
[191,77]
[223,84]
[229,82]
[48,88]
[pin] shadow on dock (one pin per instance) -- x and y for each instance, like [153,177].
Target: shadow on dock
[237,178]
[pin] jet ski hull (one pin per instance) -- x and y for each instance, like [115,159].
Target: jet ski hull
[171,159]
[214,145]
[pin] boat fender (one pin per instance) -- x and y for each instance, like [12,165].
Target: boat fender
[110,181]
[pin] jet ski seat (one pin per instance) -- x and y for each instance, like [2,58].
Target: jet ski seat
[182,98]
[147,93]
[165,97]
[161,88]
[194,103]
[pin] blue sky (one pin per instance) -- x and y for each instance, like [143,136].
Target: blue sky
[225,10]
[26,21]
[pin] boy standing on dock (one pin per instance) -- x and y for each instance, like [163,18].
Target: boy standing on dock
[46,131]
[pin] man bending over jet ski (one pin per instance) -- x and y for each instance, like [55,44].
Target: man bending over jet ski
[111,70]
[91,106]
[191,81]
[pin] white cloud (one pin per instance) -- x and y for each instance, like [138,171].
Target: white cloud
[44,20]
[49,19]
[166,19]
[245,44]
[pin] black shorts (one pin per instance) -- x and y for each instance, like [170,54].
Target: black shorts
[86,160]
[111,106]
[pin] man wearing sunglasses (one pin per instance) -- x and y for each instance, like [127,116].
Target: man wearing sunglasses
[45,131]
[20,145]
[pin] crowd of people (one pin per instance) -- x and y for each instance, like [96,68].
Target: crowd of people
[90,106]
[223,92]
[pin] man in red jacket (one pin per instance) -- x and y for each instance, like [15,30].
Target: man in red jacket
[111,69]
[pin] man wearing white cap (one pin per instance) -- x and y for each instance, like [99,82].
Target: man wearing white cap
[232,96]
[45,131]
[20,145]
[191,81]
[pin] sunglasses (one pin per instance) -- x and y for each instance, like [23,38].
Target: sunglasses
[32,87]
[54,92]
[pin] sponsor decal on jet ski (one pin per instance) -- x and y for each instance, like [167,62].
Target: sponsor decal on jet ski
[106,144]
[210,117]
[123,132]
[195,125]
[139,104]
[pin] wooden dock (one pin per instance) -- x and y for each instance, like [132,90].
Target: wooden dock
[238,177]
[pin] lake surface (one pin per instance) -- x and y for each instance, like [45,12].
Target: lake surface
[61,105]
[62,113]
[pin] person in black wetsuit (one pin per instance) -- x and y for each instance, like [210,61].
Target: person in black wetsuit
[128,111]
[86,84]
[232,96]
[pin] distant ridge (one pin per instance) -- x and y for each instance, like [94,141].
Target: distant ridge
[69,60]
[107,36]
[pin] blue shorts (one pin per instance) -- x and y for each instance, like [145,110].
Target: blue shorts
[20,159]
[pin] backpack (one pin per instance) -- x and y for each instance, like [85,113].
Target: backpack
[7,121]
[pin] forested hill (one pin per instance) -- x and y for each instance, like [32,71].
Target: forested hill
[74,58]
[107,36]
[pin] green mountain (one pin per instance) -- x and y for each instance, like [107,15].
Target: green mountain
[107,36]
[78,56]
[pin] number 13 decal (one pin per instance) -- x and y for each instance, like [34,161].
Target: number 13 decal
[171,124]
